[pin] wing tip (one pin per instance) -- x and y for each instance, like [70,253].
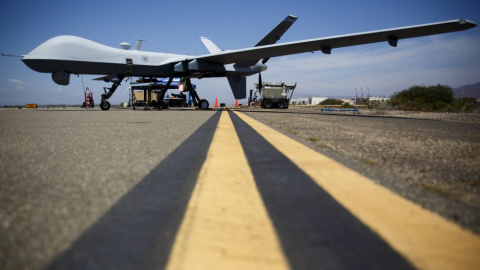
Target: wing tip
[291,18]
[467,23]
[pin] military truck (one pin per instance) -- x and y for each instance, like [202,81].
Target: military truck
[275,94]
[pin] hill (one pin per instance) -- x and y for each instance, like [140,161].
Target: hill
[471,90]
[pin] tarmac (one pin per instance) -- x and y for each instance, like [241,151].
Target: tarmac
[185,189]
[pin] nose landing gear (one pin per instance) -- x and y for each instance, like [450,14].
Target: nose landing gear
[104,104]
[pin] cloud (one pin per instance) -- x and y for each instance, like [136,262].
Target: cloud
[17,81]
[20,85]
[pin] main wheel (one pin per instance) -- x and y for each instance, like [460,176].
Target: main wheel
[282,104]
[267,103]
[105,105]
[203,104]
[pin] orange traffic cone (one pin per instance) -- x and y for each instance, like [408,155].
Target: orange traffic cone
[216,103]
[236,103]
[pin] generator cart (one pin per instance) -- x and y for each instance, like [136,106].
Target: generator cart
[275,94]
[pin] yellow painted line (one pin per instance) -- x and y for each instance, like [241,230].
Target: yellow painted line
[226,225]
[426,239]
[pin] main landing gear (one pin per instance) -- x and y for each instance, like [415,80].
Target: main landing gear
[200,103]
[203,104]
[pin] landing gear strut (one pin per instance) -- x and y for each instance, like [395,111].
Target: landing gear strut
[104,104]
[200,103]
[163,91]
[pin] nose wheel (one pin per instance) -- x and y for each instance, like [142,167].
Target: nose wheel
[105,105]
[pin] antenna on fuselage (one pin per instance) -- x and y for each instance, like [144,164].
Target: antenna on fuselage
[139,44]
[125,45]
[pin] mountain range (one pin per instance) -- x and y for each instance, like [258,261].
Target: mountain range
[471,90]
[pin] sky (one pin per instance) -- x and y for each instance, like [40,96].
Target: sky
[175,27]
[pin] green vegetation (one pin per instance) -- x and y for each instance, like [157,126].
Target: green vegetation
[331,101]
[373,104]
[431,98]
[347,105]
[466,105]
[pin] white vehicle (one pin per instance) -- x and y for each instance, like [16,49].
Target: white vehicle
[275,94]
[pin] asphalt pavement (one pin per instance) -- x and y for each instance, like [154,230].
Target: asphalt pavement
[62,170]
[121,189]
[429,158]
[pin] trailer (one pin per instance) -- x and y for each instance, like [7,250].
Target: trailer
[147,93]
[275,94]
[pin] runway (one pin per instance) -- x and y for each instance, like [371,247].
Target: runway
[200,190]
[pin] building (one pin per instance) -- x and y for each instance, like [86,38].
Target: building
[316,100]
[381,99]
[299,101]
[307,100]
[364,100]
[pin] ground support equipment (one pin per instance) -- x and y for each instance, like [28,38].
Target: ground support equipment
[354,110]
[147,102]
[274,94]
[88,103]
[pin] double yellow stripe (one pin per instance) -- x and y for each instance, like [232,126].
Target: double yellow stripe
[226,225]
[426,239]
